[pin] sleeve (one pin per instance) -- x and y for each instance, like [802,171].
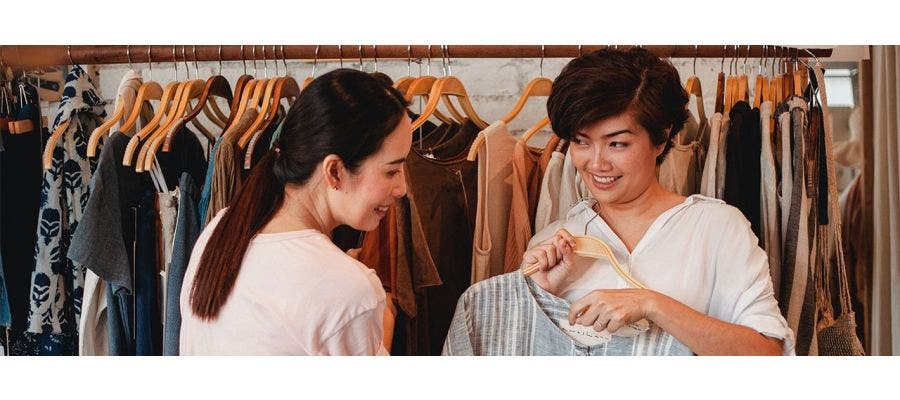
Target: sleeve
[361,336]
[459,341]
[98,242]
[743,293]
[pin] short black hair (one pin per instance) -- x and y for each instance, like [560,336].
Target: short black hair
[609,82]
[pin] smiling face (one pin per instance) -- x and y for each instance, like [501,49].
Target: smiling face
[378,182]
[616,158]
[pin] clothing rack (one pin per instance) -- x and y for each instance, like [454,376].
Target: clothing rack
[45,55]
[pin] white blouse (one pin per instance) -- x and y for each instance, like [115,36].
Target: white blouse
[701,252]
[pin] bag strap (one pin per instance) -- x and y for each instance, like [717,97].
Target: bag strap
[835,245]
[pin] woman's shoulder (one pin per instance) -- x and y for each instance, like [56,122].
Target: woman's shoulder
[713,212]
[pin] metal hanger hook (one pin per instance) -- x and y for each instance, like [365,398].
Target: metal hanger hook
[449,62]
[375,56]
[196,66]
[244,59]
[341,55]
[284,61]
[69,53]
[128,54]
[265,64]
[696,54]
[359,52]
[220,60]
[813,55]
[746,56]
[175,61]
[542,60]
[408,60]
[428,68]
[315,62]
[275,58]
[187,67]
[150,61]
[255,69]
[724,53]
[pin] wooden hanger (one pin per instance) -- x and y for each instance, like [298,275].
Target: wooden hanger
[216,86]
[422,86]
[538,87]
[149,90]
[251,94]
[94,140]
[535,129]
[191,90]
[286,88]
[239,87]
[801,79]
[172,117]
[169,116]
[761,90]
[403,83]
[720,93]
[164,104]
[264,103]
[694,88]
[743,83]
[51,143]
[729,93]
[592,247]
[449,86]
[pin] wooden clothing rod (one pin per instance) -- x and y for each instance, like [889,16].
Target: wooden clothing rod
[46,55]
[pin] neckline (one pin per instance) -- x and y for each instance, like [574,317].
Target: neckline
[286,235]
[655,226]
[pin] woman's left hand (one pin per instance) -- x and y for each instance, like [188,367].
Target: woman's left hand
[612,309]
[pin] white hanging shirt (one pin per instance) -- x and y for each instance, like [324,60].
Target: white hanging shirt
[701,253]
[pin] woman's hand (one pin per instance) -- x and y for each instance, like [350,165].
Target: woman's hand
[554,258]
[612,309]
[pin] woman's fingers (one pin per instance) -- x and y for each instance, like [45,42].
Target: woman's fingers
[567,237]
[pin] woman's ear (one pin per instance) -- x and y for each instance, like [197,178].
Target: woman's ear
[333,167]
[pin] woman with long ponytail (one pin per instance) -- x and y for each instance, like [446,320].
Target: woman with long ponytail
[264,277]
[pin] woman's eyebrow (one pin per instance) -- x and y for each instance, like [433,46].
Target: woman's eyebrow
[397,161]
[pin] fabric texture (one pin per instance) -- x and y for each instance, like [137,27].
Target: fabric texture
[445,191]
[494,199]
[187,229]
[742,176]
[296,294]
[770,225]
[509,315]
[708,181]
[21,177]
[127,94]
[205,193]
[682,170]
[721,160]
[227,178]
[526,192]
[886,203]
[57,283]
[547,210]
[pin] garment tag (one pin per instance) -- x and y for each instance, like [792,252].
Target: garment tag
[585,335]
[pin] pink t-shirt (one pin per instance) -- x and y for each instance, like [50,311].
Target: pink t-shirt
[296,294]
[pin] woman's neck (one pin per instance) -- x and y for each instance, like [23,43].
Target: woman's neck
[642,206]
[302,208]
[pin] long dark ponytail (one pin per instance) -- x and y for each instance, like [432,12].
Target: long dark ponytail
[344,112]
